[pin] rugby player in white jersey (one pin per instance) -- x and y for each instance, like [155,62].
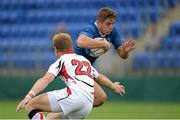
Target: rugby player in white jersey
[75,101]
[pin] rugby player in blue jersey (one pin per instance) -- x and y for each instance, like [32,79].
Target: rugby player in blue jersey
[102,27]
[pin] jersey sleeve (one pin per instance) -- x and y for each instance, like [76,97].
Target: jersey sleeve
[95,73]
[117,40]
[55,67]
[87,31]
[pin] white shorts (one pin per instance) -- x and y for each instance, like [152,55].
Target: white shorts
[74,106]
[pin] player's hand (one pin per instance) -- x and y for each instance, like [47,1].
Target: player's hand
[128,45]
[22,103]
[118,88]
[107,45]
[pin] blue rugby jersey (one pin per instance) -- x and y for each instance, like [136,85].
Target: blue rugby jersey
[92,31]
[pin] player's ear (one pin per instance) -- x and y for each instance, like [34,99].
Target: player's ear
[98,22]
[55,50]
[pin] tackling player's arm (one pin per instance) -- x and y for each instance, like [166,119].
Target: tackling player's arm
[43,82]
[86,42]
[40,85]
[116,86]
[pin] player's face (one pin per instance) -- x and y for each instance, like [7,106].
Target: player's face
[106,26]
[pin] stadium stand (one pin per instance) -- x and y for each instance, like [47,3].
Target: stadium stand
[166,57]
[27,26]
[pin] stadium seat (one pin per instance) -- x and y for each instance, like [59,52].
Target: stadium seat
[132,15]
[177,60]
[4,60]
[177,43]
[24,60]
[174,29]
[141,61]
[165,60]
[46,59]
[167,43]
[135,29]
[172,3]
[154,13]
[170,60]
[159,60]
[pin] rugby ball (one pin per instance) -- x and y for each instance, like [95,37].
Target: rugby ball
[97,51]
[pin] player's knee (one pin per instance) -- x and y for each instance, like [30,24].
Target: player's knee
[29,106]
[100,100]
[99,103]
[103,98]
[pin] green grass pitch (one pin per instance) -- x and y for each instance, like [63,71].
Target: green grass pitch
[110,110]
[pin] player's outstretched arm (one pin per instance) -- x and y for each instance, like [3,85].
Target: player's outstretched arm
[116,86]
[125,48]
[40,85]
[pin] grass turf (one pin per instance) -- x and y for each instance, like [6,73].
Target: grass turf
[110,110]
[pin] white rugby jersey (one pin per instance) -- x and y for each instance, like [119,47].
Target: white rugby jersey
[76,71]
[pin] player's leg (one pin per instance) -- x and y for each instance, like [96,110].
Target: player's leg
[51,116]
[83,111]
[37,105]
[45,102]
[99,95]
[99,98]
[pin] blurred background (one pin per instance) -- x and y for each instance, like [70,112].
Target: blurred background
[151,74]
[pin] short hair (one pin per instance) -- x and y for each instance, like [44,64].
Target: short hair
[62,42]
[106,13]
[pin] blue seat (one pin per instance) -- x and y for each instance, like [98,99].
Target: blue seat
[153,3]
[132,15]
[123,17]
[113,4]
[174,29]
[9,17]
[26,44]
[142,61]
[135,29]
[172,60]
[177,60]
[132,3]
[46,59]
[177,43]
[4,32]
[142,3]
[172,3]
[24,60]
[163,3]
[159,60]
[4,59]
[165,60]
[4,46]
[155,14]
[33,16]
[167,43]
[123,3]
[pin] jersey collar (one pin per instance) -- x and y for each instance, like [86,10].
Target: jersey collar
[68,52]
[98,30]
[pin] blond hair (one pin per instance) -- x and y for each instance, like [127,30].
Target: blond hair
[62,42]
